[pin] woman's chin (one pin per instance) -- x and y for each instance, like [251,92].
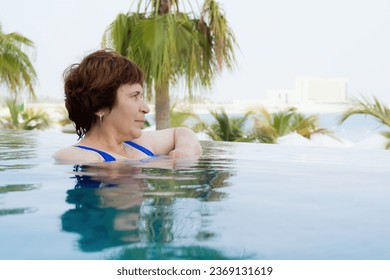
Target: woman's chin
[135,134]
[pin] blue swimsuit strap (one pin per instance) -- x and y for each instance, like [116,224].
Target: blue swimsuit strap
[140,148]
[108,157]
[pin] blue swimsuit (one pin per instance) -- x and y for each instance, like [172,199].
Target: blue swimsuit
[108,157]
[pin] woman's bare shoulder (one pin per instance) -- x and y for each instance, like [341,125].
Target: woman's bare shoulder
[76,155]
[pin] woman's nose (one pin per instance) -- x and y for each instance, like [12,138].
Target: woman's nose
[145,108]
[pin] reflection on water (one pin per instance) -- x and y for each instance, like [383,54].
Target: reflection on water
[153,209]
[16,188]
[155,203]
[15,147]
[173,253]
[107,207]
[15,211]
[237,201]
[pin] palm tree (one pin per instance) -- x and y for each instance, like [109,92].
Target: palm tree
[17,73]
[227,128]
[269,126]
[307,125]
[26,119]
[16,69]
[372,108]
[170,45]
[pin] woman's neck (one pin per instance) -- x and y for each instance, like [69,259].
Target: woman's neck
[102,140]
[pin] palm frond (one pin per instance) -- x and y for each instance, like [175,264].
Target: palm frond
[365,106]
[269,126]
[387,135]
[226,128]
[16,69]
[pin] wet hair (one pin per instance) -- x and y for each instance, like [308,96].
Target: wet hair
[92,85]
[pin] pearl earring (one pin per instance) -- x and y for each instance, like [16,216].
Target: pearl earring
[101,117]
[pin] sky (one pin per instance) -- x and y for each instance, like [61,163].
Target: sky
[278,41]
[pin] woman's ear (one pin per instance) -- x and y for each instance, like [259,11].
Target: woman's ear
[100,115]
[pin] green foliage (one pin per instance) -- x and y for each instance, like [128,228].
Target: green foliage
[269,126]
[387,135]
[26,119]
[374,108]
[16,69]
[169,44]
[367,107]
[226,128]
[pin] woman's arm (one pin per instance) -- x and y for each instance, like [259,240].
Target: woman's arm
[174,142]
[186,143]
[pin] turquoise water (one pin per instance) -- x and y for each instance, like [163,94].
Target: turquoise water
[238,201]
[356,128]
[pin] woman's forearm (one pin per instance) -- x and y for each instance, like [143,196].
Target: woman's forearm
[186,143]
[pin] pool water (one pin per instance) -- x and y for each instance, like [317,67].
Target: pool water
[237,201]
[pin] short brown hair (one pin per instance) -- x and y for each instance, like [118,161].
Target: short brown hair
[92,85]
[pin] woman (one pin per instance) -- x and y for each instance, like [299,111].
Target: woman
[104,98]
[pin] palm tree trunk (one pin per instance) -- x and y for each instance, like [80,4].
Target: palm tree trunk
[162,106]
[165,7]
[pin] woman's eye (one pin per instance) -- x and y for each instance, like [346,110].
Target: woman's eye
[138,96]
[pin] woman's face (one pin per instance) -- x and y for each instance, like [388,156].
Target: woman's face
[127,116]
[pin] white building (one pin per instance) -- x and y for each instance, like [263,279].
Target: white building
[309,90]
[320,90]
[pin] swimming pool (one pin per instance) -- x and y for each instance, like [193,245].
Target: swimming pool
[238,201]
